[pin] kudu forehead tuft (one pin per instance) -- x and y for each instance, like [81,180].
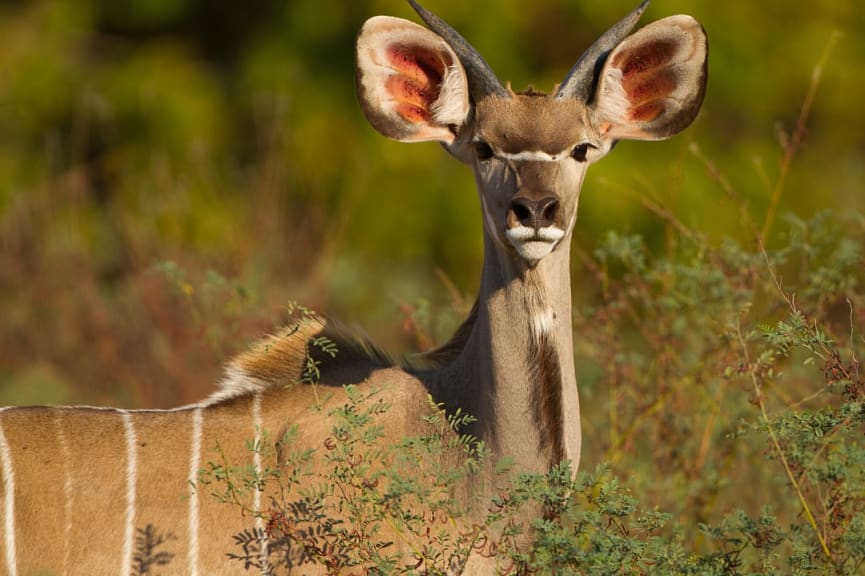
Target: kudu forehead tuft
[532,121]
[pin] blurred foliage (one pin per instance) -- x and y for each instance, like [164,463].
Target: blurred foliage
[228,139]
[731,378]
[735,399]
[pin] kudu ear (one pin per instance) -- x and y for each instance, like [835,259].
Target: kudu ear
[652,84]
[410,83]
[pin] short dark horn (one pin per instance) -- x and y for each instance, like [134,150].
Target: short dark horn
[580,80]
[482,81]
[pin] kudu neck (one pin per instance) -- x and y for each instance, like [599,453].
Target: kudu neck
[516,371]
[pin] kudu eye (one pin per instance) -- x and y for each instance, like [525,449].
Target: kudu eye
[483,150]
[579,152]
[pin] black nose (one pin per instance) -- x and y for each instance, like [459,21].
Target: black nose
[535,213]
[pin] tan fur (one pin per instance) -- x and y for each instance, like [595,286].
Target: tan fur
[277,360]
[85,448]
[535,122]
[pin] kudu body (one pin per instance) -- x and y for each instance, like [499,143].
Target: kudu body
[79,483]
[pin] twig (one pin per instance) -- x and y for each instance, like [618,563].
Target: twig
[777,445]
[792,145]
[727,187]
[759,398]
[656,208]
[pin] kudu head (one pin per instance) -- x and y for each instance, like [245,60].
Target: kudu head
[529,151]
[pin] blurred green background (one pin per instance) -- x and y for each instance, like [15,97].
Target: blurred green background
[174,172]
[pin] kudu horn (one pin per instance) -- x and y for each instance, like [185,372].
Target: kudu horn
[580,81]
[482,80]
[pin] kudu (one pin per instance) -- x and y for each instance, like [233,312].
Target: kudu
[78,482]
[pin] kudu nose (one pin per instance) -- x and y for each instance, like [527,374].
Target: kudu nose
[534,213]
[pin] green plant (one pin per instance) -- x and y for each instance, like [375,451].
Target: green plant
[358,502]
[718,373]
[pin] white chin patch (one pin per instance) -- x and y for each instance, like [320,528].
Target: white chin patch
[534,251]
[531,244]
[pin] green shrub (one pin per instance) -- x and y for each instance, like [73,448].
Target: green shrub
[733,440]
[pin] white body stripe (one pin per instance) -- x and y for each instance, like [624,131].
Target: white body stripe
[9,480]
[256,462]
[256,455]
[194,465]
[79,407]
[131,477]
[68,492]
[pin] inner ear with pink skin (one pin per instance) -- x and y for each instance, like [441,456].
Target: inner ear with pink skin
[652,84]
[416,81]
[411,85]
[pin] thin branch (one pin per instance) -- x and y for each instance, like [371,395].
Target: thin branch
[655,207]
[791,302]
[776,444]
[792,145]
[727,187]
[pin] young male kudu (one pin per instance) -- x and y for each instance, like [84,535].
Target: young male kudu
[78,483]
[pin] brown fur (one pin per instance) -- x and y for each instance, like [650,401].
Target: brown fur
[531,121]
[546,371]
